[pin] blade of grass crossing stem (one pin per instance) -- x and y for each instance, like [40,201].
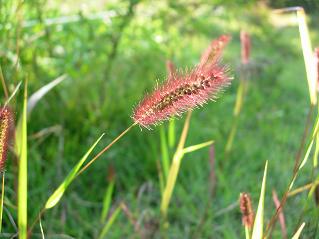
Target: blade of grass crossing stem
[259,219]
[173,173]
[107,200]
[307,54]
[174,167]
[58,193]
[21,150]
[110,222]
[298,233]
[164,151]
[2,199]
[308,150]
[13,94]
[197,147]
[171,133]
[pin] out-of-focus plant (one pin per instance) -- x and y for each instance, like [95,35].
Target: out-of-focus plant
[311,73]
[245,72]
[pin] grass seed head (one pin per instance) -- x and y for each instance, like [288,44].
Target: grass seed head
[6,124]
[182,92]
[246,210]
[245,47]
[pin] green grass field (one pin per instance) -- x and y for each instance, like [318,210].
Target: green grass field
[109,65]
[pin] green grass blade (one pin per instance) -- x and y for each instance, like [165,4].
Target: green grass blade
[259,219]
[107,200]
[307,54]
[310,144]
[39,94]
[316,154]
[171,180]
[164,151]
[58,193]
[13,93]
[110,222]
[197,147]
[21,151]
[298,233]
[171,133]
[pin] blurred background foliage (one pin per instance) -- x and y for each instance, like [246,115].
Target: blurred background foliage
[112,52]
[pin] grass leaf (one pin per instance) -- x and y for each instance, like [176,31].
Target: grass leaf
[107,200]
[58,193]
[164,152]
[110,222]
[297,234]
[21,151]
[259,219]
[37,96]
[197,147]
[307,54]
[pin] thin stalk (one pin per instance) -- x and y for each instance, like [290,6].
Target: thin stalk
[295,171]
[241,92]
[35,222]
[106,148]
[303,188]
[85,167]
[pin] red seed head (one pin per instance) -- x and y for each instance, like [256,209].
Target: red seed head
[185,91]
[6,125]
[245,47]
[246,210]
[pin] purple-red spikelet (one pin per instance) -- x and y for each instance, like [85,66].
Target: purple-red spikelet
[182,92]
[6,124]
[245,47]
[246,210]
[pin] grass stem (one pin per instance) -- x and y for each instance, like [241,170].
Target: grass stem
[105,149]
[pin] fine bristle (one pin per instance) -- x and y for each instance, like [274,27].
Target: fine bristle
[246,210]
[6,124]
[182,92]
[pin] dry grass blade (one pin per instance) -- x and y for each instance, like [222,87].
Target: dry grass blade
[280,214]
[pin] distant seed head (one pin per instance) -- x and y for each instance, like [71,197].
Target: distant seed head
[245,47]
[182,92]
[246,210]
[6,124]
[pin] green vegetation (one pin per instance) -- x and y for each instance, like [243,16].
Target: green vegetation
[110,55]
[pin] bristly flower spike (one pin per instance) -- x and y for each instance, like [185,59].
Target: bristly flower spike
[182,92]
[246,210]
[6,124]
